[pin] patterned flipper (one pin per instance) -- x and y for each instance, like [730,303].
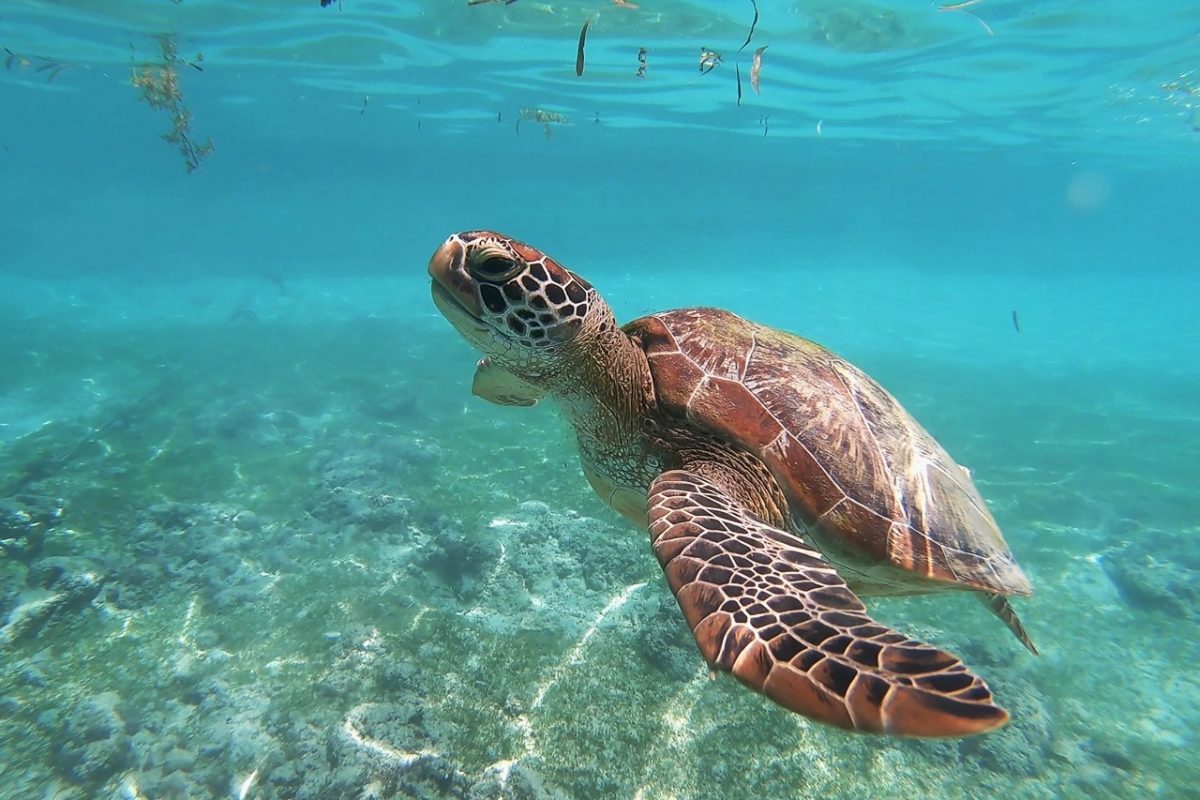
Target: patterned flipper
[768,608]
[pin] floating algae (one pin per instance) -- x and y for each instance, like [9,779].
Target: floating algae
[158,83]
[544,118]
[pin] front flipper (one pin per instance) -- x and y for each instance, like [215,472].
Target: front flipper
[498,385]
[765,606]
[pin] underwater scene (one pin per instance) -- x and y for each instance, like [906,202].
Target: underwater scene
[267,531]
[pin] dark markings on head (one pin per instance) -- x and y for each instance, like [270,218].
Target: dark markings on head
[537,301]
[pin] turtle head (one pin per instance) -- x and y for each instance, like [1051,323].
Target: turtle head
[511,301]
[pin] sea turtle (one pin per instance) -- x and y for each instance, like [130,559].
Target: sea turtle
[776,480]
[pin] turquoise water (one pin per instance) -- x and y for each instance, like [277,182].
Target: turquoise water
[259,540]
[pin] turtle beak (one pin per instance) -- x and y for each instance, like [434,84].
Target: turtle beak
[453,287]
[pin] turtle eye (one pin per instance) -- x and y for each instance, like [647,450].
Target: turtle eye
[494,264]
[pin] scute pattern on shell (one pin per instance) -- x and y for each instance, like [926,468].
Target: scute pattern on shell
[858,471]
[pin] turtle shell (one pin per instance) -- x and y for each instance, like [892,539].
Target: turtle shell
[863,479]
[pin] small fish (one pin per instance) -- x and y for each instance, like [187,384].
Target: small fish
[737,69]
[624,4]
[1016,321]
[579,50]
[641,70]
[363,110]
[756,67]
[708,60]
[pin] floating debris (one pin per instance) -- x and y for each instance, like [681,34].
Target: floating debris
[579,50]
[159,87]
[708,60]
[753,25]
[49,66]
[489,2]
[756,67]
[765,121]
[1016,321]
[543,118]
[53,71]
[624,4]
[641,70]
[963,8]
[363,110]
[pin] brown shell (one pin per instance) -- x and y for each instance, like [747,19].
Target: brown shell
[876,492]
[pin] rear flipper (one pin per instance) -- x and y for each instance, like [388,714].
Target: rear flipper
[1003,609]
[768,608]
